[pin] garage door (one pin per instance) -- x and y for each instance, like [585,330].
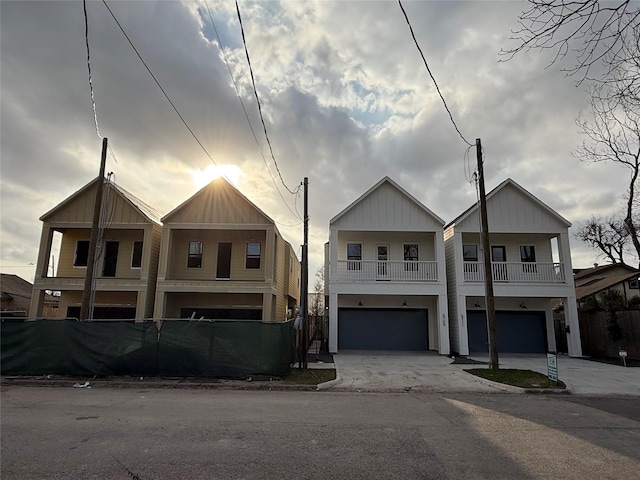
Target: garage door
[517,332]
[382,329]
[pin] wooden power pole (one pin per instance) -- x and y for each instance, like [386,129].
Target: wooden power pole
[488,271]
[304,283]
[93,241]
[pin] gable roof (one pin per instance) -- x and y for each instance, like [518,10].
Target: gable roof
[601,270]
[510,183]
[388,181]
[141,207]
[603,283]
[219,184]
[14,286]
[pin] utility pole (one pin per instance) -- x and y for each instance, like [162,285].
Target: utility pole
[304,287]
[488,271]
[93,241]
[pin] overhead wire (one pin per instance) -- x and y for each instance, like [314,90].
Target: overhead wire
[431,75]
[255,137]
[255,91]
[159,85]
[86,40]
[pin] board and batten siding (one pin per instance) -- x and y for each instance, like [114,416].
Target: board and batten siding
[510,210]
[386,208]
[218,203]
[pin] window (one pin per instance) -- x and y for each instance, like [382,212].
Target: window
[411,255]
[634,284]
[223,270]
[498,253]
[82,253]
[136,258]
[253,255]
[354,256]
[527,253]
[194,259]
[470,253]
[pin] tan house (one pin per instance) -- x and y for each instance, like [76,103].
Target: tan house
[15,295]
[223,258]
[592,281]
[126,257]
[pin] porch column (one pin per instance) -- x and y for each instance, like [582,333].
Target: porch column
[44,253]
[267,301]
[443,325]
[333,323]
[564,256]
[36,304]
[551,331]
[463,336]
[572,324]
[163,261]
[159,308]
[440,258]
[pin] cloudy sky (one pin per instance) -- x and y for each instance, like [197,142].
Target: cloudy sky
[345,96]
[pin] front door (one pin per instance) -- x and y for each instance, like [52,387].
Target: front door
[383,258]
[499,263]
[110,259]
[223,270]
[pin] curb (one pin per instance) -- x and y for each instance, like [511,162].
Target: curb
[329,384]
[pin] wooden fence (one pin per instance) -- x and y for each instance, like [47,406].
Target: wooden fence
[595,336]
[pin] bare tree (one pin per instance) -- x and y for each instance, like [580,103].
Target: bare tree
[608,236]
[613,135]
[317,304]
[598,33]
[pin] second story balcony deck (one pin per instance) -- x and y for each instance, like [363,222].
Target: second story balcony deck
[398,271]
[517,272]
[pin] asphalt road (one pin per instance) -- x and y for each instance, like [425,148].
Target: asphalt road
[213,434]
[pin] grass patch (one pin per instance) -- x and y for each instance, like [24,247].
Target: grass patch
[517,378]
[310,376]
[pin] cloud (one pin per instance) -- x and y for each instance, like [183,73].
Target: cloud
[345,94]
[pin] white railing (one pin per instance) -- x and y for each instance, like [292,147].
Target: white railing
[372,270]
[516,272]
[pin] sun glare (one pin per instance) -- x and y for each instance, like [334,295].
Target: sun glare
[204,177]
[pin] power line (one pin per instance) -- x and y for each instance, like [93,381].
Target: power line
[86,40]
[431,75]
[235,85]
[160,86]
[255,91]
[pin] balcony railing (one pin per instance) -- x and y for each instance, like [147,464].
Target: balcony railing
[372,270]
[516,272]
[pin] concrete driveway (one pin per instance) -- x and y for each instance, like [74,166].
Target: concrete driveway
[430,372]
[393,372]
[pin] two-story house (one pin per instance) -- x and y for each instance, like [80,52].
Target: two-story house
[223,258]
[126,256]
[386,271]
[531,266]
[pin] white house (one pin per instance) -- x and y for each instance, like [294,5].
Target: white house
[386,269]
[531,265]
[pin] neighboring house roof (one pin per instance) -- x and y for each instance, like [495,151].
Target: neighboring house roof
[14,286]
[510,183]
[602,284]
[222,185]
[141,207]
[389,181]
[600,271]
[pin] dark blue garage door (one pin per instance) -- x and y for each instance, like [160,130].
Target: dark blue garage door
[382,329]
[517,332]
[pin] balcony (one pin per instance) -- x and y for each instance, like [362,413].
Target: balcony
[373,270]
[516,272]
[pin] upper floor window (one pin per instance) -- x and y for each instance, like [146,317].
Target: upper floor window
[354,256]
[634,284]
[498,253]
[136,257]
[527,253]
[411,255]
[470,253]
[253,255]
[82,253]
[194,260]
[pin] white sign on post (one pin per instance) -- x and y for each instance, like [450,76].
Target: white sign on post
[552,366]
